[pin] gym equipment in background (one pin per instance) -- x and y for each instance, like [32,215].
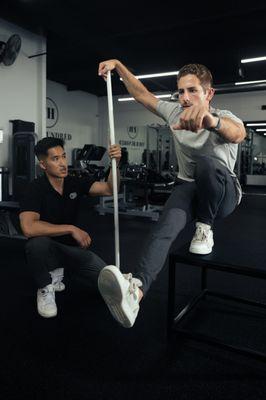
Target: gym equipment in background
[4,192]
[23,162]
[159,154]
[252,160]
[81,160]
[144,192]
[9,220]
[23,171]
[146,186]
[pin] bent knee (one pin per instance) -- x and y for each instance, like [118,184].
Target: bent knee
[39,243]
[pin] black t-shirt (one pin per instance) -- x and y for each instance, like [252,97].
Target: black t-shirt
[42,198]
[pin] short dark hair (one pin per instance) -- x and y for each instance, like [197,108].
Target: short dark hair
[43,145]
[202,73]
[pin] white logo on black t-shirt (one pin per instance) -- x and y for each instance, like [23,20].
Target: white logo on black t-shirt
[73,195]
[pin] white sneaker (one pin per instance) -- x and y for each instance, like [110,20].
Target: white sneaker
[121,294]
[202,242]
[46,302]
[57,277]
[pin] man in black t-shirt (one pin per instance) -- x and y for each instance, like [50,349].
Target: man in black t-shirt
[48,216]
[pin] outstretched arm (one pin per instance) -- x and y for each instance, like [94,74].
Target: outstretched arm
[199,117]
[133,85]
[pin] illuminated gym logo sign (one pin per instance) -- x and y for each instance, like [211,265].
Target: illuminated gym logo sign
[51,113]
[132,131]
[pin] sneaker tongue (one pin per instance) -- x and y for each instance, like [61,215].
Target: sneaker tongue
[201,225]
[47,289]
[133,283]
[137,282]
[200,233]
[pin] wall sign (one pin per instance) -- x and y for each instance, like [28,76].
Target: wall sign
[52,113]
[59,135]
[131,143]
[132,131]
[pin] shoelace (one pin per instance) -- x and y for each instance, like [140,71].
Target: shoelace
[45,292]
[134,283]
[200,234]
[57,281]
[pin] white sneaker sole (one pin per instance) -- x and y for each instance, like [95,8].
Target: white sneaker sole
[110,284]
[42,314]
[200,250]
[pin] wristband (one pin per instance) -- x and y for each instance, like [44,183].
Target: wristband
[218,125]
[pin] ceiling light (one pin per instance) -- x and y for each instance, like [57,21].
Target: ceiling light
[249,82]
[159,96]
[257,124]
[261,130]
[248,60]
[155,75]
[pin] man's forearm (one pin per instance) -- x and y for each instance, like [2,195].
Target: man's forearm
[231,130]
[133,85]
[42,228]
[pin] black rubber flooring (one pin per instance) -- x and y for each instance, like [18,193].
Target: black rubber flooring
[84,354]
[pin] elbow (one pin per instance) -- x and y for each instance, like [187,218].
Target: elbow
[26,231]
[27,234]
[108,192]
[240,136]
[237,140]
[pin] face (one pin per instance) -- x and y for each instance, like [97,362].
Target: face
[55,164]
[191,93]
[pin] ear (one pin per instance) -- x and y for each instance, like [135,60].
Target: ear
[210,94]
[42,164]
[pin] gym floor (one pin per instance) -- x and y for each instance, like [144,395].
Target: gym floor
[84,354]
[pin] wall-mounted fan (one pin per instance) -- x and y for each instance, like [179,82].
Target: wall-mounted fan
[9,50]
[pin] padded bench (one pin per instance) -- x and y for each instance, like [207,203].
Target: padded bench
[231,255]
[9,221]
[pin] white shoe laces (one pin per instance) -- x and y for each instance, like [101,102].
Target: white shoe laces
[134,283]
[57,277]
[58,283]
[200,234]
[57,274]
[47,294]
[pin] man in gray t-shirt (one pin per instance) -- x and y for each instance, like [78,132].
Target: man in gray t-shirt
[206,142]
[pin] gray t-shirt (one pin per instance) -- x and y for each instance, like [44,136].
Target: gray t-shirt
[191,145]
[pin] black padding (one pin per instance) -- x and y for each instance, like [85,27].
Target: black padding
[9,225]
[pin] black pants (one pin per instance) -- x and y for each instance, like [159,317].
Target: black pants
[43,254]
[212,195]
